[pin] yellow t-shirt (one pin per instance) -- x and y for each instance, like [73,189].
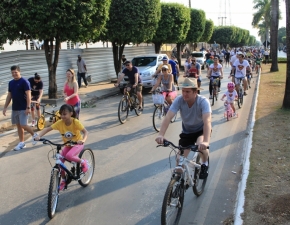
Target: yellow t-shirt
[169,67]
[71,132]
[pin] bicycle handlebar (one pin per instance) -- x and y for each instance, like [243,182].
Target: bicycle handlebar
[46,141]
[193,148]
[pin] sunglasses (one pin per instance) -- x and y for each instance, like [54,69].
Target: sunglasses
[127,64]
[164,69]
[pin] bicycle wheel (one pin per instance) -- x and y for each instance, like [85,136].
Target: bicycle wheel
[136,102]
[53,193]
[228,115]
[56,116]
[40,124]
[85,178]
[199,184]
[213,96]
[172,202]
[123,110]
[158,117]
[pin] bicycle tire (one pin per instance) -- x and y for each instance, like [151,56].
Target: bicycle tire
[53,193]
[239,98]
[40,124]
[158,116]
[85,178]
[228,115]
[173,200]
[56,116]
[136,102]
[199,184]
[213,95]
[123,110]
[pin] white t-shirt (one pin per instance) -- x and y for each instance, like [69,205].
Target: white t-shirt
[233,59]
[216,70]
[231,96]
[241,68]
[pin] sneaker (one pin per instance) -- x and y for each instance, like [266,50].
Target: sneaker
[245,93]
[84,165]
[210,97]
[20,146]
[219,90]
[33,123]
[249,86]
[33,141]
[62,185]
[203,173]
[234,114]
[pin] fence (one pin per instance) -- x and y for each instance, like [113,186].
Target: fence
[99,62]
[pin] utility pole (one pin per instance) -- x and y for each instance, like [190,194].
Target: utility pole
[222,17]
[189,3]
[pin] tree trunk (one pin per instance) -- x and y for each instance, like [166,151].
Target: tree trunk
[286,101]
[52,64]
[117,54]
[274,35]
[178,49]
[157,46]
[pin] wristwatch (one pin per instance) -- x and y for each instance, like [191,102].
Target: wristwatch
[27,107]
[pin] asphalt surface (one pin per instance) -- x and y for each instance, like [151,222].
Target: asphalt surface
[131,174]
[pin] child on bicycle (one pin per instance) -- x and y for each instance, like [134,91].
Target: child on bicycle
[70,128]
[231,95]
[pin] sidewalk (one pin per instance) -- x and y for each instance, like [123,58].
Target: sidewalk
[90,94]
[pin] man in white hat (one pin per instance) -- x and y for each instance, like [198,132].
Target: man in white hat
[195,112]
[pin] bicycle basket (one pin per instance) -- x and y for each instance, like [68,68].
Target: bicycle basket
[215,82]
[158,99]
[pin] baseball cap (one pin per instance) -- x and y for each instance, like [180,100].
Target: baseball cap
[164,58]
[165,67]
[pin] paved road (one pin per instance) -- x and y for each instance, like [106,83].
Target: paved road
[131,175]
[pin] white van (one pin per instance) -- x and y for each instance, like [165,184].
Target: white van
[147,65]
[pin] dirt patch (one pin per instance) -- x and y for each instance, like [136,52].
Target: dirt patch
[268,190]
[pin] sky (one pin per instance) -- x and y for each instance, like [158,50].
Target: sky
[239,13]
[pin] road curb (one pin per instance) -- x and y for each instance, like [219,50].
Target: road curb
[240,200]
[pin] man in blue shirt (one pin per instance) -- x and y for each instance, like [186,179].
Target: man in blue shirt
[20,94]
[175,69]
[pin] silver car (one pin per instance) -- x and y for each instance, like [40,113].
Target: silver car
[147,65]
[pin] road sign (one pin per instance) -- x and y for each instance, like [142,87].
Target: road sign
[268,43]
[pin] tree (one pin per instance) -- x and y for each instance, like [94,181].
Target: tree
[130,21]
[286,100]
[274,35]
[263,14]
[197,26]
[208,30]
[53,21]
[281,35]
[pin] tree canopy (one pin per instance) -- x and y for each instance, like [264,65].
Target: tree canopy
[208,30]
[53,21]
[130,21]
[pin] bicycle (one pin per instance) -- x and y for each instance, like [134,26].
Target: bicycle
[128,103]
[180,181]
[74,174]
[54,116]
[159,114]
[215,93]
[240,92]
[229,113]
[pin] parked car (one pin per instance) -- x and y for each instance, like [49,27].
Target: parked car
[147,65]
[200,58]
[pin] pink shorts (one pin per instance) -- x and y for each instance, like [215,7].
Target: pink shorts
[171,94]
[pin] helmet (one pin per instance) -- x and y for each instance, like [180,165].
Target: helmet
[231,86]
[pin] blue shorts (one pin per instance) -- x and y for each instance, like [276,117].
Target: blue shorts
[19,117]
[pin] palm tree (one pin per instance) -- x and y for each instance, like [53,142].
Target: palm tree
[262,31]
[286,101]
[262,15]
[274,35]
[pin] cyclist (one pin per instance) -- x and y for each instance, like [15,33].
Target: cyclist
[248,73]
[231,95]
[195,72]
[240,66]
[36,86]
[195,112]
[258,62]
[135,81]
[165,62]
[209,62]
[215,71]
[70,128]
[168,87]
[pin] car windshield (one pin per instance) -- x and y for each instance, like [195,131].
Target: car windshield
[198,55]
[144,61]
